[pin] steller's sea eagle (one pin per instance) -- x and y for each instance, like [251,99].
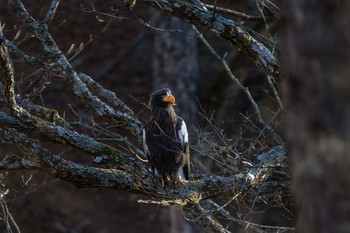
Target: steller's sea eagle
[165,140]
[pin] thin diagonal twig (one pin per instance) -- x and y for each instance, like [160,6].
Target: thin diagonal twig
[235,80]
[51,12]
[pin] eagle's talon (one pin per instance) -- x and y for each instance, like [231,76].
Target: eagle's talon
[179,181]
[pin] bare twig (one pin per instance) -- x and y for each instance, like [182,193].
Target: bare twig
[274,92]
[215,7]
[7,217]
[164,203]
[205,219]
[247,224]
[234,13]
[51,12]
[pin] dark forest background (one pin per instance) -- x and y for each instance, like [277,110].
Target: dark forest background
[135,51]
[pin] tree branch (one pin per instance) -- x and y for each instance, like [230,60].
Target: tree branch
[234,79]
[206,220]
[228,29]
[29,59]
[235,13]
[135,177]
[31,126]
[51,12]
[95,104]
[78,174]
[49,132]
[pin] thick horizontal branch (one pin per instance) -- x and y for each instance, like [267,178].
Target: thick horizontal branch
[228,29]
[49,132]
[199,188]
[138,178]
[38,158]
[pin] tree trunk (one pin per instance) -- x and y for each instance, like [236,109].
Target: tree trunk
[175,62]
[316,87]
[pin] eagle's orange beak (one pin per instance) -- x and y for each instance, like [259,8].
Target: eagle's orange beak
[169,99]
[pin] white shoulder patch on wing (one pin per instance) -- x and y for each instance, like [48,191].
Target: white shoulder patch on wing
[183,135]
[145,147]
[182,174]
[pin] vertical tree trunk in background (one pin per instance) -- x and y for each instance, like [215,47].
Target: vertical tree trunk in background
[175,62]
[316,86]
[175,66]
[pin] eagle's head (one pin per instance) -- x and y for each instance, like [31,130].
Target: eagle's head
[162,99]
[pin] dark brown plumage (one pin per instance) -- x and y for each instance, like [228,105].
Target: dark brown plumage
[166,139]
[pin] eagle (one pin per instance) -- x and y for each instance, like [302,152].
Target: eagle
[165,140]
